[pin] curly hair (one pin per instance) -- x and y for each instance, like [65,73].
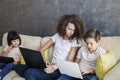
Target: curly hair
[74,19]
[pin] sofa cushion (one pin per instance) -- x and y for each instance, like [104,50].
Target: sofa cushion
[12,76]
[22,59]
[46,55]
[105,62]
[19,78]
[4,40]
[112,43]
[1,48]
[31,42]
[113,74]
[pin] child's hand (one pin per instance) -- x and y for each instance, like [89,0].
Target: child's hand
[9,49]
[4,53]
[87,71]
[84,71]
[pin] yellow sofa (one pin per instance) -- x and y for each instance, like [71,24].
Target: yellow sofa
[34,42]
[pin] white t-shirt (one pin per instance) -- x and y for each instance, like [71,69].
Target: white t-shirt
[62,47]
[14,53]
[88,59]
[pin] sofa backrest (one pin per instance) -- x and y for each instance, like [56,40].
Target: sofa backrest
[31,42]
[112,43]
[34,42]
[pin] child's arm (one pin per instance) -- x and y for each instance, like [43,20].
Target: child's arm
[72,54]
[4,53]
[88,71]
[77,60]
[16,62]
[45,46]
[91,70]
[6,50]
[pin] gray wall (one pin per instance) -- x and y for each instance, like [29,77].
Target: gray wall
[39,17]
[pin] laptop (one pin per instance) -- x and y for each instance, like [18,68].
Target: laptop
[32,58]
[69,68]
[4,59]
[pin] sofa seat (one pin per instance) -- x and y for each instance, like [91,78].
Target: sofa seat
[13,76]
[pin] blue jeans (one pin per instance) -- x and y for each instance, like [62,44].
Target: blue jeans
[6,68]
[85,77]
[90,77]
[37,74]
[65,77]
[20,69]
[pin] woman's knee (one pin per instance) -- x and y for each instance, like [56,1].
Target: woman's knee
[29,72]
[20,69]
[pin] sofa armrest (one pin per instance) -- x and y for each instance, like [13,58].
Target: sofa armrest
[113,74]
[1,48]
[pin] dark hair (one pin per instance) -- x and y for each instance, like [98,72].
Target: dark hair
[76,20]
[12,35]
[93,33]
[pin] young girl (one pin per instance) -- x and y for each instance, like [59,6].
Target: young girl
[10,50]
[66,42]
[87,56]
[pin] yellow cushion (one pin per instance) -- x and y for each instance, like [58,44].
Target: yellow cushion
[21,58]
[46,55]
[104,63]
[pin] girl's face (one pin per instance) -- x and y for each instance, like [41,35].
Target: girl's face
[15,43]
[91,44]
[70,29]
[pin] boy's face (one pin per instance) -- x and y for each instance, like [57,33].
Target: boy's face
[91,44]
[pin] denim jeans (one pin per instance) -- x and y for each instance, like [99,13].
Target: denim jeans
[85,77]
[90,77]
[6,68]
[65,77]
[20,69]
[37,74]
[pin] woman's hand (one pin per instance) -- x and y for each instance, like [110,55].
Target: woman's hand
[47,63]
[51,68]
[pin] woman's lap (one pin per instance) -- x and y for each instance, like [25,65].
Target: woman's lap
[36,74]
[85,77]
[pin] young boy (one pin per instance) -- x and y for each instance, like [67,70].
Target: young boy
[87,56]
